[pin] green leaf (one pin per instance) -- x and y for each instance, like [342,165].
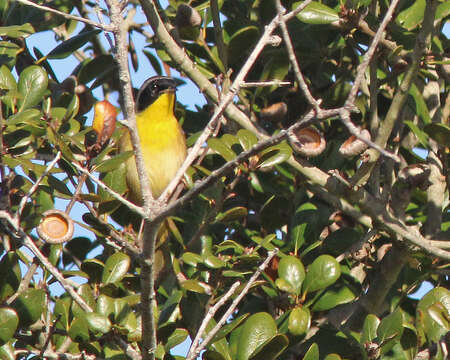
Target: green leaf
[274,155]
[8,324]
[114,162]
[195,286]
[299,321]
[443,10]
[228,328]
[300,224]
[24,117]
[221,148]
[11,275]
[116,268]
[29,306]
[7,81]
[438,132]
[412,16]
[256,330]
[17,31]
[369,331]
[271,349]
[59,186]
[421,135]
[323,272]
[67,47]
[232,215]
[7,352]
[316,13]
[8,53]
[432,314]
[421,106]
[312,353]
[105,305]
[62,311]
[246,138]
[98,324]
[213,262]
[32,86]
[79,330]
[390,330]
[191,259]
[176,338]
[332,357]
[334,297]
[291,270]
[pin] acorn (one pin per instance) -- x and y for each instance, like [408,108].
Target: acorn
[354,146]
[56,227]
[307,141]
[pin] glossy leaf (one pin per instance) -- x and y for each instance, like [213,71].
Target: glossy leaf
[369,331]
[274,155]
[114,162]
[432,314]
[228,328]
[11,275]
[312,353]
[29,306]
[231,215]
[412,16]
[334,297]
[32,86]
[79,330]
[116,267]
[221,148]
[177,337]
[67,47]
[97,323]
[256,330]
[323,272]
[17,31]
[299,321]
[316,13]
[8,53]
[8,324]
[271,349]
[292,271]
[246,138]
[390,330]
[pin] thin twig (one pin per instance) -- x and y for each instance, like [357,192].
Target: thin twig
[248,84]
[293,58]
[33,189]
[67,16]
[137,209]
[360,71]
[193,350]
[234,304]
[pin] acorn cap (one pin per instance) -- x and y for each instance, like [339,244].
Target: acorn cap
[308,142]
[275,112]
[354,146]
[187,16]
[56,227]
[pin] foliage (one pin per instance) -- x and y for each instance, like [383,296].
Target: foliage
[350,231]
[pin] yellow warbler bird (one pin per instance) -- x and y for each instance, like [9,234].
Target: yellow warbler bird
[162,140]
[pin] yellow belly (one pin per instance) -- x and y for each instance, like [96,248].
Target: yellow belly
[163,148]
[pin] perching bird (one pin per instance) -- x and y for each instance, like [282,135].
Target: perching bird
[162,140]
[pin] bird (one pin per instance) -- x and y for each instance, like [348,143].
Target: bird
[163,146]
[162,140]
